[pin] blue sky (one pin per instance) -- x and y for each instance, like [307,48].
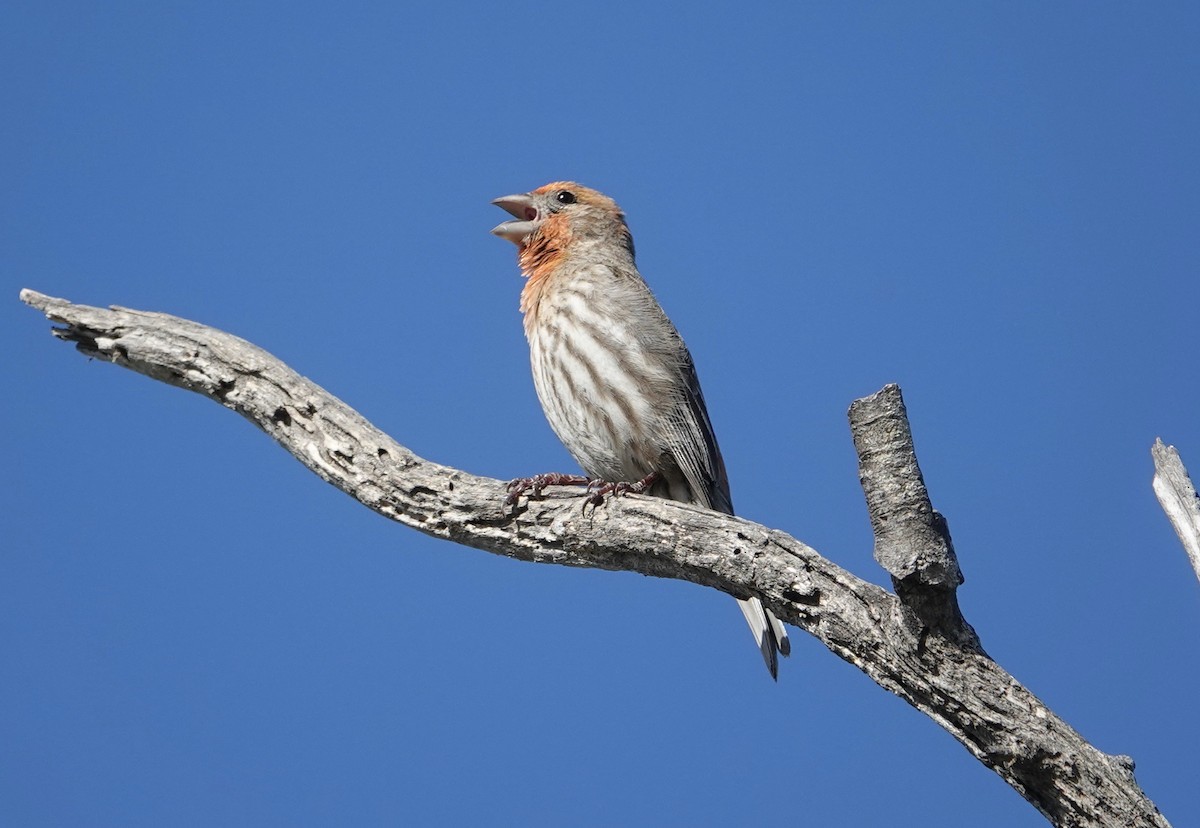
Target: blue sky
[996,207]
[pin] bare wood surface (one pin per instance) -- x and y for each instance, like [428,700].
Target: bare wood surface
[912,540]
[1177,495]
[935,667]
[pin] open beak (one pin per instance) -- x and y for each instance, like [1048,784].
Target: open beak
[520,206]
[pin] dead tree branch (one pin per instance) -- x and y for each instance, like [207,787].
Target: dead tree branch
[912,541]
[914,643]
[1178,499]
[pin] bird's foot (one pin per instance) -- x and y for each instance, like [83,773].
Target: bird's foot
[534,486]
[597,490]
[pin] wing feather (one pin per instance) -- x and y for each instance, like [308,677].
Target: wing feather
[693,443]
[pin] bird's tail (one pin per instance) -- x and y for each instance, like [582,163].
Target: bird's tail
[768,632]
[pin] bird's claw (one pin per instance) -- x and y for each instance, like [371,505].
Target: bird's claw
[597,490]
[534,486]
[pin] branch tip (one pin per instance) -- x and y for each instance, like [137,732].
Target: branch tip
[1177,495]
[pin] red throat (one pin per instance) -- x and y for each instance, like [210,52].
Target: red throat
[540,256]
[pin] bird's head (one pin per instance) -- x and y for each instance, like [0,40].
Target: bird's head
[550,220]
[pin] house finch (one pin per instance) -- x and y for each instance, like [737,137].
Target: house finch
[612,373]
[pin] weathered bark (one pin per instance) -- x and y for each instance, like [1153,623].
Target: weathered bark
[1178,498]
[912,541]
[914,644]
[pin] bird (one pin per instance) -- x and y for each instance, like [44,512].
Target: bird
[613,375]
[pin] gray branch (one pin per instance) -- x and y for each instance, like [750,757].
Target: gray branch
[912,647]
[1178,499]
[912,541]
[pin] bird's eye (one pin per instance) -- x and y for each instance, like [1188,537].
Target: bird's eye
[565,197]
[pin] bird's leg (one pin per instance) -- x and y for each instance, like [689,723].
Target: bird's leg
[536,484]
[598,489]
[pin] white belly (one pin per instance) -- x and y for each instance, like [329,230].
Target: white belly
[598,388]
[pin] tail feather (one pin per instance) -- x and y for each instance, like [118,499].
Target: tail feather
[768,632]
[781,637]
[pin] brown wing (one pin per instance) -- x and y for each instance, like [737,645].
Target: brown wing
[693,444]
